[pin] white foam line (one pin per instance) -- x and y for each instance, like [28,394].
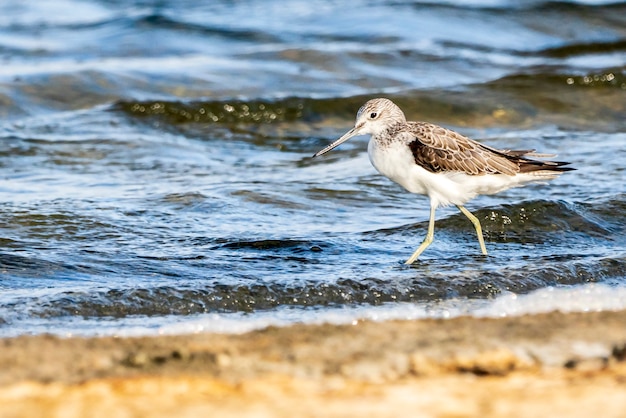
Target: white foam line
[585,298]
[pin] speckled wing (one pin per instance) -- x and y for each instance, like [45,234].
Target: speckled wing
[438,149]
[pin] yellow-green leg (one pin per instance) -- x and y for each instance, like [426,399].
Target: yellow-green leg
[479,230]
[429,238]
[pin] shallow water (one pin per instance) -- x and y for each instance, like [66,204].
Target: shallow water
[156,171]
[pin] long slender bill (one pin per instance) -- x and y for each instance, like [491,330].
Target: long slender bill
[352,132]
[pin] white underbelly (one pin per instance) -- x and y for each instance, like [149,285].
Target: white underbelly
[446,188]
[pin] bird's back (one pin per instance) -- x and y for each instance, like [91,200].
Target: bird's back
[438,149]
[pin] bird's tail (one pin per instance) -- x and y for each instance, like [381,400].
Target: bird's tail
[546,169]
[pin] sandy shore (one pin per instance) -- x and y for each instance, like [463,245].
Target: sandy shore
[543,365]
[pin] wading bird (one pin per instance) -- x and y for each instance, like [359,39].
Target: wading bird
[442,164]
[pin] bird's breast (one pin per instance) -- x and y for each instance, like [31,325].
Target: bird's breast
[395,161]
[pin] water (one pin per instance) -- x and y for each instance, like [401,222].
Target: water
[156,173]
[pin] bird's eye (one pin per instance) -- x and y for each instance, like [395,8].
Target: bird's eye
[373,115]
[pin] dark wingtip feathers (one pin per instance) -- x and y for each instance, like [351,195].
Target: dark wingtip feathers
[528,166]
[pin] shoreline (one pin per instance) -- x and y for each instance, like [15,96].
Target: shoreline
[570,364]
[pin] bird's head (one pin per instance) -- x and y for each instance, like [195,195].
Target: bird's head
[372,118]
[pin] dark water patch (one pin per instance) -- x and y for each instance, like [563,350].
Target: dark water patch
[561,52]
[163,22]
[423,285]
[283,256]
[30,267]
[565,51]
[291,245]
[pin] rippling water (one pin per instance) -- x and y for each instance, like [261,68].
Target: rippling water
[156,173]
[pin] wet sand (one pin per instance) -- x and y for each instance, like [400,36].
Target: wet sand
[541,365]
